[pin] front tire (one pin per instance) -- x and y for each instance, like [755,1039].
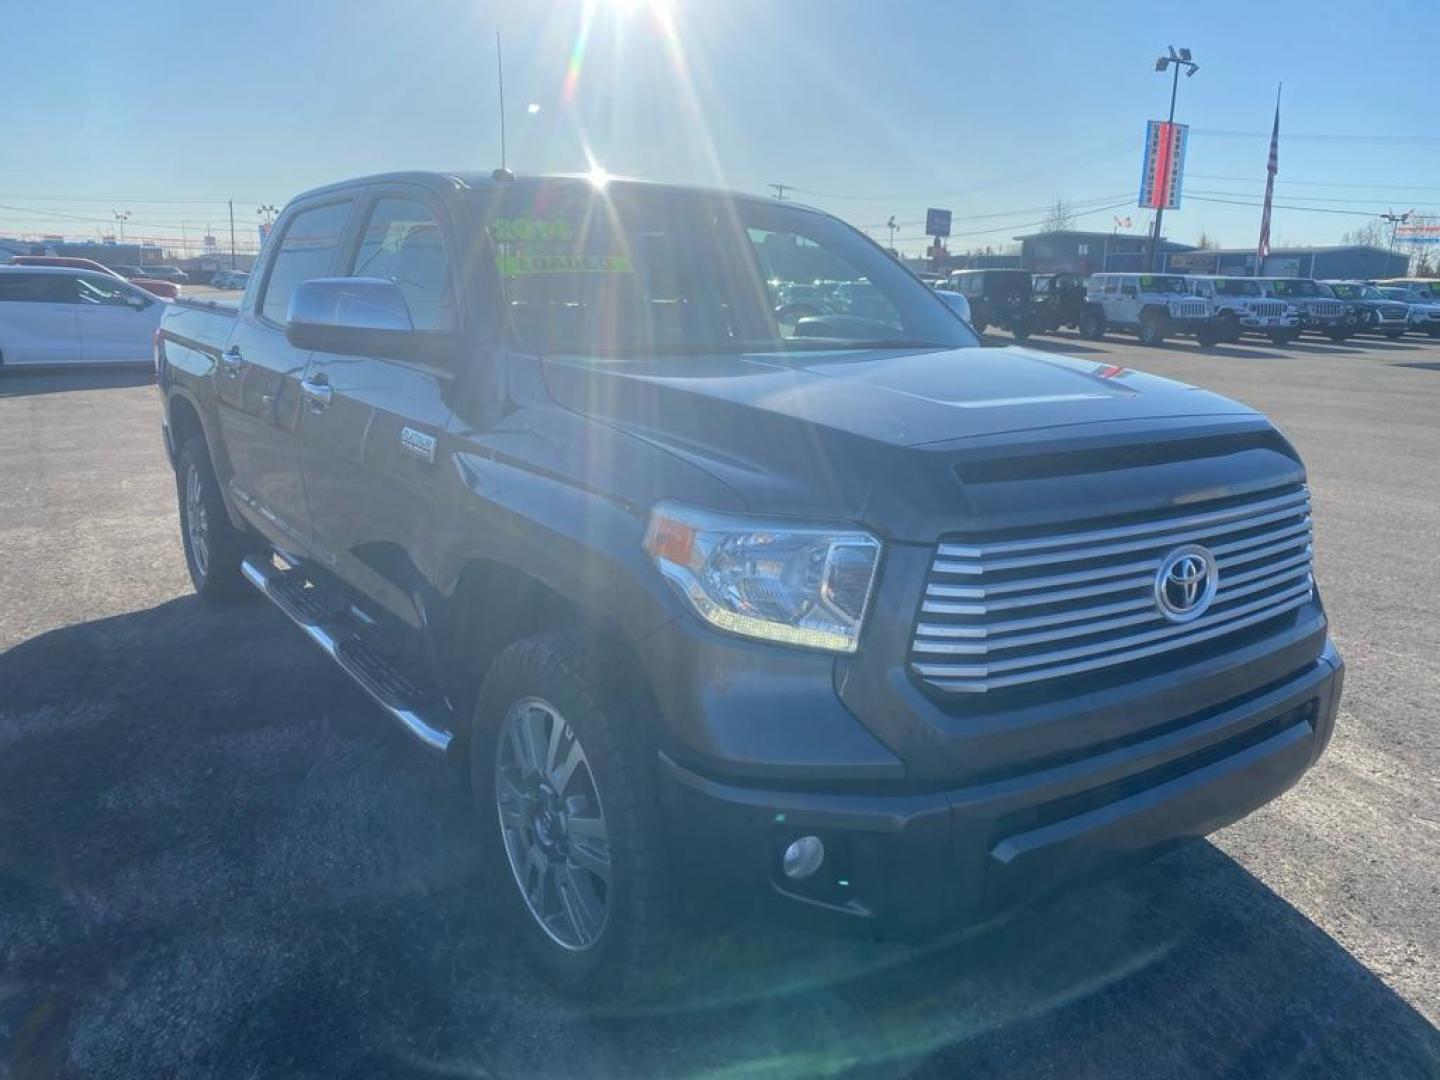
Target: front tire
[1394,335]
[566,803]
[1092,326]
[1283,337]
[214,548]
[1152,330]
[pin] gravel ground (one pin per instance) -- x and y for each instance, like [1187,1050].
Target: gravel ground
[216,859]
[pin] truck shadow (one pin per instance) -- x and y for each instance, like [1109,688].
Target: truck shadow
[24,382]
[217,859]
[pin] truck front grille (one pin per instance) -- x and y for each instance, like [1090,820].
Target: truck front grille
[1268,309]
[1016,611]
[1189,309]
[1394,312]
[1327,308]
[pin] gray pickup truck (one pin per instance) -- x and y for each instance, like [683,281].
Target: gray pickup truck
[852,617]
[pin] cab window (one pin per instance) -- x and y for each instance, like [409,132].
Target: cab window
[307,250]
[403,243]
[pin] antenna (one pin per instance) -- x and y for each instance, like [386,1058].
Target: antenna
[500,75]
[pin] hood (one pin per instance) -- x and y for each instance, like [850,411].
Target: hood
[898,398]
[814,433]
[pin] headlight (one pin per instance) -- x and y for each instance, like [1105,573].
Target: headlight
[773,579]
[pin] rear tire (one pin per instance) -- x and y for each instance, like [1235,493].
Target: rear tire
[1283,337]
[1336,336]
[595,910]
[1394,335]
[1092,325]
[1209,337]
[214,548]
[1020,331]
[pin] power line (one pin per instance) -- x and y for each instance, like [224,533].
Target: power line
[1282,206]
[1317,136]
[1320,183]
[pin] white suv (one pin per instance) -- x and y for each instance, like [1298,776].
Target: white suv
[1154,306]
[1240,304]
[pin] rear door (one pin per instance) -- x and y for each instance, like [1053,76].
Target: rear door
[370,453]
[258,377]
[37,319]
[116,320]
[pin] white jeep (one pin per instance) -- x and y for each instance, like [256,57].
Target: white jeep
[1153,306]
[1240,304]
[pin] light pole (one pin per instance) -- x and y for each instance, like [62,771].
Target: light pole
[268,212]
[1396,220]
[121,216]
[891,226]
[1175,60]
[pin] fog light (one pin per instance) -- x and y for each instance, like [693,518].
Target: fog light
[803,857]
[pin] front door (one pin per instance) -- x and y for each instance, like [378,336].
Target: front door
[372,453]
[116,320]
[258,377]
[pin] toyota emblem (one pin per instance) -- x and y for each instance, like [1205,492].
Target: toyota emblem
[1185,584]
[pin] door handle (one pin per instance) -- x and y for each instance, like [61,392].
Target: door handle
[232,361]
[317,392]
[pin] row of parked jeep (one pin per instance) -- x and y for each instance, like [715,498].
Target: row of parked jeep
[1212,309]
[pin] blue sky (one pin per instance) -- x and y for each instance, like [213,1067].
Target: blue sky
[867,108]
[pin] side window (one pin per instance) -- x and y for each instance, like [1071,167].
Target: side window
[1112,286]
[99,289]
[403,243]
[307,250]
[1128,287]
[19,288]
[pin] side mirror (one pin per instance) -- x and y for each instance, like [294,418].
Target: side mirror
[354,316]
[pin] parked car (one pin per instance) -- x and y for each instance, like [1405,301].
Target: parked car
[1426,286]
[1375,312]
[166,290]
[61,315]
[860,299]
[1152,306]
[1319,310]
[891,630]
[1000,298]
[957,302]
[229,279]
[74,262]
[1240,305]
[1424,307]
[172,274]
[1059,301]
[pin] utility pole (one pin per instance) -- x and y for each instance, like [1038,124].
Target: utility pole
[232,234]
[780,190]
[1177,61]
[891,226]
[121,216]
[1395,220]
[500,78]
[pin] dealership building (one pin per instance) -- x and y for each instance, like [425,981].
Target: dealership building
[1068,251]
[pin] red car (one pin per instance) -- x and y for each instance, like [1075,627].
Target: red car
[166,290]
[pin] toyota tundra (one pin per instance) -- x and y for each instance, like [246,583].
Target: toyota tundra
[853,616]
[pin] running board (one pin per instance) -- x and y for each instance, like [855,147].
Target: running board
[385,686]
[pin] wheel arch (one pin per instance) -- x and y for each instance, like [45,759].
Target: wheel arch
[186,421]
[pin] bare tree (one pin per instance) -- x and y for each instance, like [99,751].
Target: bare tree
[1372,234]
[1206,242]
[1061,216]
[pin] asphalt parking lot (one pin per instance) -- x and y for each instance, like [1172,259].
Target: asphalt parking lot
[217,860]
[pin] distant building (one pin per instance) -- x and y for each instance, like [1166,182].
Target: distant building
[1342,261]
[1074,252]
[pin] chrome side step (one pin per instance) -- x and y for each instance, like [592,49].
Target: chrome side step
[341,644]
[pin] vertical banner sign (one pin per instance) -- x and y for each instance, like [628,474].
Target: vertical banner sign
[1164,164]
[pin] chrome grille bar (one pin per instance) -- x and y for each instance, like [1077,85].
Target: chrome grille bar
[1023,610]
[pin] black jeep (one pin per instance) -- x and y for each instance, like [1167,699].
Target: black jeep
[1002,298]
[1059,300]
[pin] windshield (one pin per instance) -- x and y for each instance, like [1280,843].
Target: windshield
[629,270]
[1296,287]
[1237,287]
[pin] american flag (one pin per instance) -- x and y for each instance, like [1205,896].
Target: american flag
[1271,168]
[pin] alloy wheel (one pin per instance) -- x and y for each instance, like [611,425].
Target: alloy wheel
[552,824]
[197,525]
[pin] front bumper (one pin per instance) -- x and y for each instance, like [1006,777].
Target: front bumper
[920,861]
[1269,322]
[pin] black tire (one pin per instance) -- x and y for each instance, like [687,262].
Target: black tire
[1337,336]
[1394,335]
[1209,337]
[1152,329]
[1283,337]
[1434,331]
[214,548]
[1228,327]
[1020,331]
[635,940]
[1092,325]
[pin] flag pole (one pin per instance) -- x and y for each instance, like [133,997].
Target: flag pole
[1272,166]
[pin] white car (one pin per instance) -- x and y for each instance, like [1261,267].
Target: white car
[1241,304]
[1153,306]
[956,301]
[60,315]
